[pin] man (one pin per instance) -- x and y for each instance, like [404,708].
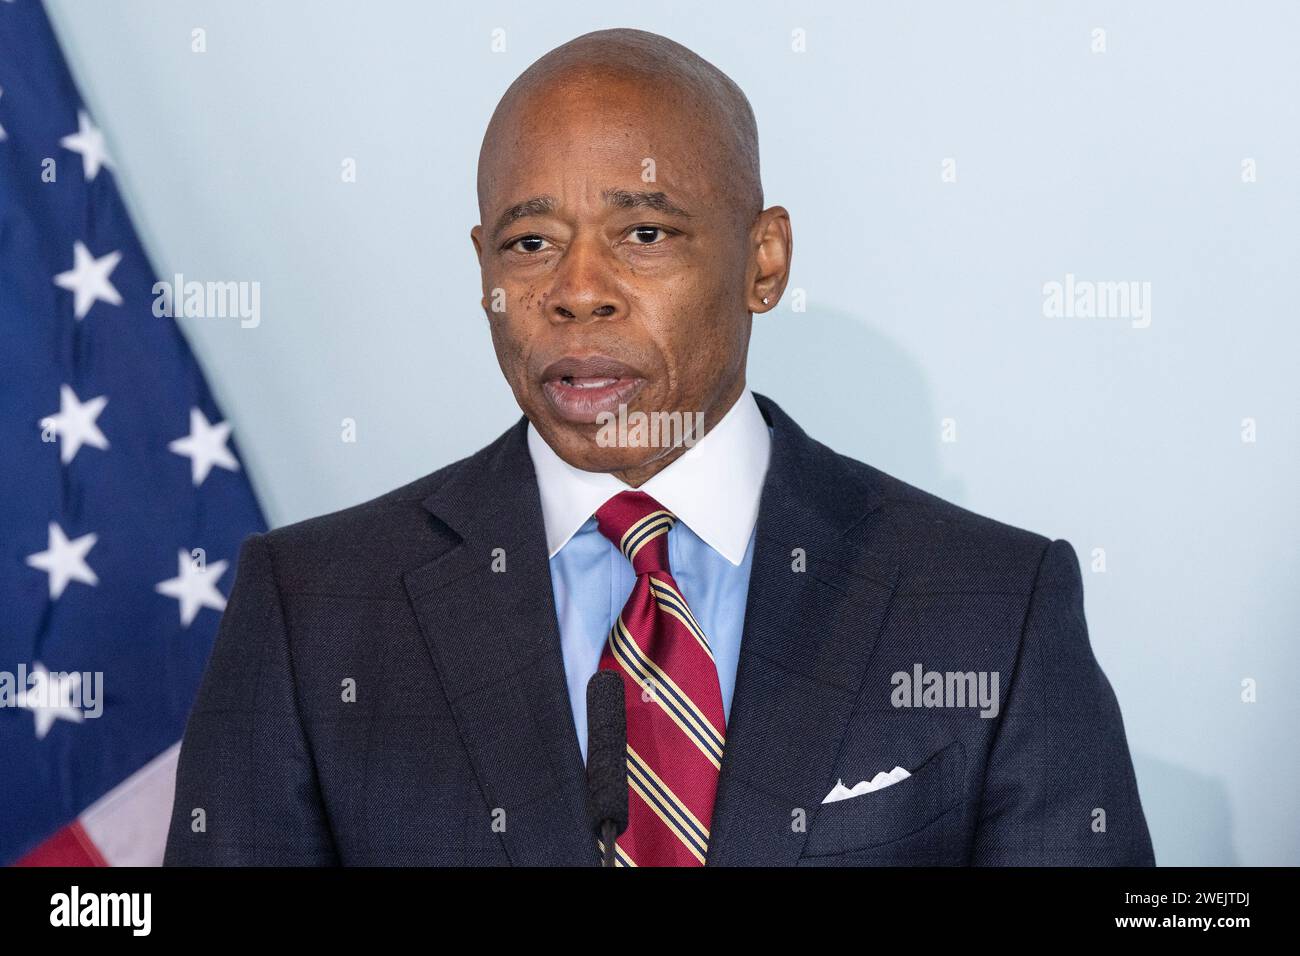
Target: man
[822,665]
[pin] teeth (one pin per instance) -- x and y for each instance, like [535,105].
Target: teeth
[589,383]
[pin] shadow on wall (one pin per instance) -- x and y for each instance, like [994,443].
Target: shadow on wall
[1189,814]
[853,389]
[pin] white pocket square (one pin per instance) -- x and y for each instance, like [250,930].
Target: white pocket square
[878,782]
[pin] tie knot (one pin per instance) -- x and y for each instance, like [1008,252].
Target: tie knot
[638,526]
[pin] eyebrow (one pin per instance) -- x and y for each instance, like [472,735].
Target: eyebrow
[618,198]
[632,199]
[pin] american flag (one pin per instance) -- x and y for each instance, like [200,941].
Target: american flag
[122,498]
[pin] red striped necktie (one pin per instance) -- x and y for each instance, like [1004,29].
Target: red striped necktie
[675,724]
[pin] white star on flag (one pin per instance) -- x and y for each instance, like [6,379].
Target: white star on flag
[3,135]
[205,446]
[75,423]
[50,699]
[65,560]
[88,140]
[195,587]
[88,279]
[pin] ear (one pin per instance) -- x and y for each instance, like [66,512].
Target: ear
[769,267]
[476,237]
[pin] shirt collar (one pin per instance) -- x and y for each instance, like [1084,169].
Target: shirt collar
[714,486]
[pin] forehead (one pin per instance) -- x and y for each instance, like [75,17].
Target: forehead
[576,140]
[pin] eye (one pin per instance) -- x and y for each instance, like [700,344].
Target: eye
[528,244]
[647,235]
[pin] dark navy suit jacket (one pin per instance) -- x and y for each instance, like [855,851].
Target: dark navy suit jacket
[378,694]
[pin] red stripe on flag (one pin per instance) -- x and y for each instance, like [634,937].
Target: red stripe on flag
[68,847]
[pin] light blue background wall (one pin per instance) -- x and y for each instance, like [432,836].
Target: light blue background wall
[925,297]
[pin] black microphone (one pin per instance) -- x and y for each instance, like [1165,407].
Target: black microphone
[606,759]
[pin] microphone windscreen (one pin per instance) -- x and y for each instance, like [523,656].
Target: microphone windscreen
[606,750]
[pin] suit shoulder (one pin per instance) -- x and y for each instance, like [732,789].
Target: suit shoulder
[360,549]
[944,546]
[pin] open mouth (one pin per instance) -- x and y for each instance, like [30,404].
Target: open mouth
[579,389]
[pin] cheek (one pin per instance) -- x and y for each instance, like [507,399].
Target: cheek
[721,339]
[712,309]
[512,310]
[696,333]
[503,297]
[510,340]
[527,301]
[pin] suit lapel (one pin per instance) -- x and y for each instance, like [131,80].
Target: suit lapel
[495,643]
[806,641]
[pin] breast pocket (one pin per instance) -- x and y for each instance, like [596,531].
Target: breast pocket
[900,810]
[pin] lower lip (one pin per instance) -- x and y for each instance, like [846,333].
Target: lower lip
[581,405]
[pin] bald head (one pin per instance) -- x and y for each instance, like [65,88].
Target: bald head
[673,83]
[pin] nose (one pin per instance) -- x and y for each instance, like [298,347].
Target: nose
[585,288]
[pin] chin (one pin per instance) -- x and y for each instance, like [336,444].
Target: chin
[582,451]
